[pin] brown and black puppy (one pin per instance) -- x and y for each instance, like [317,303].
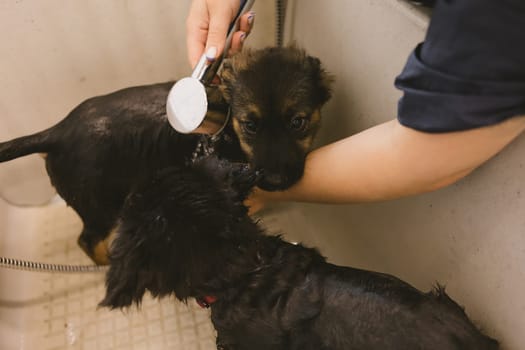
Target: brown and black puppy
[276,110]
[186,233]
[106,144]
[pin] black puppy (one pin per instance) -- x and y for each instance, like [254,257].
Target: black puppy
[186,233]
[106,144]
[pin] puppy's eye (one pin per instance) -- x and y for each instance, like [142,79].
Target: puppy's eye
[250,126]
[299,123]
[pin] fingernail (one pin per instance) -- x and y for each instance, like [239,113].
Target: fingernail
[211,53]
[251,18]
[243,36]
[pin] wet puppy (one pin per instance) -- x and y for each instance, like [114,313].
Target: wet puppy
[105,145]
[186,233]
[276,109]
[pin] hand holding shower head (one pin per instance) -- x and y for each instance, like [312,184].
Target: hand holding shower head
[187,102]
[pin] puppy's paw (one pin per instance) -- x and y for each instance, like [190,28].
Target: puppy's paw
[126,282]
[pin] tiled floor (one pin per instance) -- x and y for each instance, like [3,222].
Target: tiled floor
[51,311]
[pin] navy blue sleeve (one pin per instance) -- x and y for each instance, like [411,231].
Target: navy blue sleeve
[470,70]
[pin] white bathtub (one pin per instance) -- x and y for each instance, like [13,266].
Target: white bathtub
[468,236]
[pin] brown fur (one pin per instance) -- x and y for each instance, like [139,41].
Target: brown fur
[276,109]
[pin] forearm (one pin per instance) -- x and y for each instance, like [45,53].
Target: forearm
[391,161]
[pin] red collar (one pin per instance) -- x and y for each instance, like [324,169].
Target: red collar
[206,301]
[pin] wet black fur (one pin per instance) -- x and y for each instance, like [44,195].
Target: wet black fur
[186,233]
[106,144]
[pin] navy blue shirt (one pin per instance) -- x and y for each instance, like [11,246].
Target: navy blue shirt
[470,70]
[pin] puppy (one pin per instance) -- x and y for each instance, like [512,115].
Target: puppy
[186,233]
[106,144]
[275,96]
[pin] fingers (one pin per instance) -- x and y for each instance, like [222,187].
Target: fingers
[246,22]
[245,27]
[237,41]
[256,201]
[197,25]
[207,25]
[220,19]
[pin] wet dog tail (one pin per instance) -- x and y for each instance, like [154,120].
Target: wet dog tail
[41,142]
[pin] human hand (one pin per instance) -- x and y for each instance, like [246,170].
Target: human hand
[207,26]
[258,200]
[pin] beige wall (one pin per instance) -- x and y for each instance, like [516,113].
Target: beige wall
[469,236]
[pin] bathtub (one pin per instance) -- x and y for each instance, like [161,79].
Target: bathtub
[468,236]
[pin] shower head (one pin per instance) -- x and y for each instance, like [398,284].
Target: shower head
[187,102]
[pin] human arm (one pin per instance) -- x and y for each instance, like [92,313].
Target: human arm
[207,25]
[391,161]
[459,92]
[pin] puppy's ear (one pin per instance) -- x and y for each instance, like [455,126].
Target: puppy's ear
[144,251]
[144,257]
[231,67]
[323,79]
[126,282]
